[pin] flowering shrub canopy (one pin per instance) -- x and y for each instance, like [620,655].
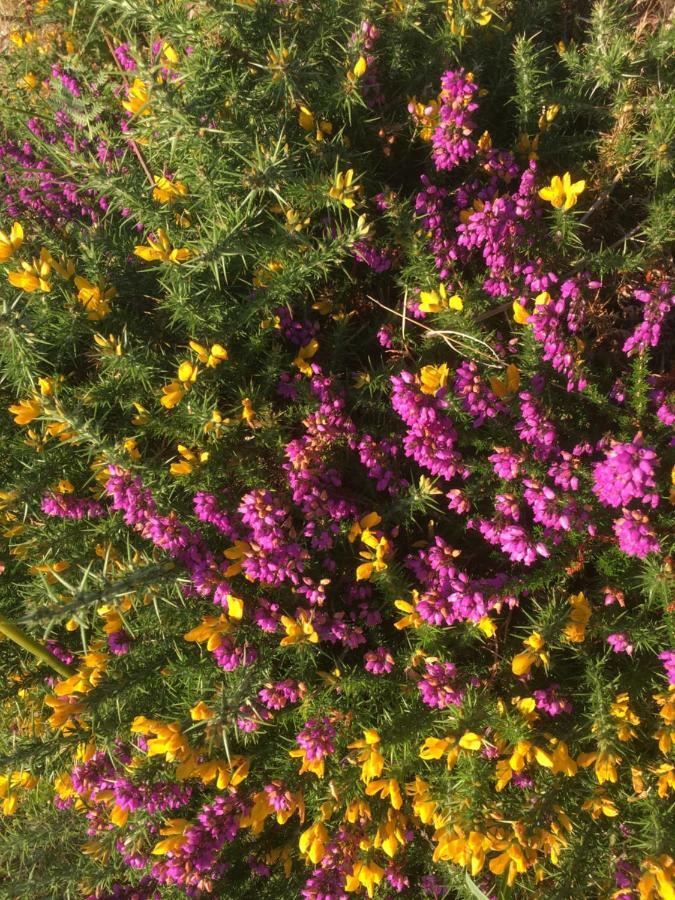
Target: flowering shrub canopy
[337,497]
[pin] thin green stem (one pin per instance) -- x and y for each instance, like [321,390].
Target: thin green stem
[39,652]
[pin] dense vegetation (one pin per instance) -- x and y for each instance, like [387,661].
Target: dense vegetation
[336,418]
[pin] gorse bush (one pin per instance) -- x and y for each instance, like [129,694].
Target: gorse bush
[336,501]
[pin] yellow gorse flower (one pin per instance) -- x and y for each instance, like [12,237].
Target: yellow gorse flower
[600,805]
[190,460]
[94,297]
[308,122]
[209,357]
[313,842]
[379,550]
[11,242]
[533,655]
[343,189]
[33,276]
[299,630]
[26,410]
[433,378]
[575,630]
[605,762]
[304,354]
[658,879]
[436,301]
[137,99]
[174,392]
[173,832]
[548,114]
[161,249]
[359,69]
[210,631]
[509,384]
[372,761]
[365,874]
[109,346]
[562,192]
[248,413]
[28,82]
[411,619]
[201,712]
[621,711]
[477,12]
[388,789]
[166,191]
[10,785]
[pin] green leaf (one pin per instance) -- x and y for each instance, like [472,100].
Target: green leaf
[473,888]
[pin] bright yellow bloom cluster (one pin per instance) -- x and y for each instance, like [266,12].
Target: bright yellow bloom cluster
[562,192]
[160,248]
[212,357]
[666,734]
[518,848]
[166,191]
[378,551]
[210,631]
[372,761]
[575,630]
[320,128]
[306,353]
[299,630]
[425,116]
[605,763]
[436,301]
[189,460]
[10,786]
[94,297]
[344,190]
[535,654]
[169,741]
[66,701]
[433,378]
[174,392]
[33,276]
[138,97]
[261,809]
[11,242]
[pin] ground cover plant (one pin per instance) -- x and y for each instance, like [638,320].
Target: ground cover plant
[336,484]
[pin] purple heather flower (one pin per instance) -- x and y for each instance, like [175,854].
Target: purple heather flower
[549,701]
[450,140]
[478,399]
[437,687]
[506,463]
[636,537]
[668,660]
[656,307]
[378,661]
[535,428]
[626,474]
[281,693]
[620,643]
[65,506]
[316,738]
[123,57]
[119,642]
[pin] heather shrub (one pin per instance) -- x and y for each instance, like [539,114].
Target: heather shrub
[337,505]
